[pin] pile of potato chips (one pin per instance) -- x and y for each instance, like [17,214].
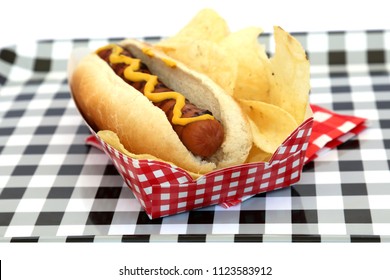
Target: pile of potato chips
[273,92]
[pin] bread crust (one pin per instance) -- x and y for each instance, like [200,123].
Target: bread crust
[109,103]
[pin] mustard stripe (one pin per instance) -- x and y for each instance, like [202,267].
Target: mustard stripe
[131,74]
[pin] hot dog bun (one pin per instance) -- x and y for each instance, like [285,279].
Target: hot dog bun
[109,103]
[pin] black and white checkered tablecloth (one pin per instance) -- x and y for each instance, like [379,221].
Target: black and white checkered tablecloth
[54,187]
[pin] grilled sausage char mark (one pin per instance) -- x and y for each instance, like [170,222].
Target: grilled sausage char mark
[203,138]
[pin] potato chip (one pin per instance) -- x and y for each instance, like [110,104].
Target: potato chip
[258,155]
[206,25]
[274,93]
[291,75]
[253,65]
[112,139]
[206,57]
[270,124]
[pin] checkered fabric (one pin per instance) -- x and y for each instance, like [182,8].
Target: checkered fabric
[54,187]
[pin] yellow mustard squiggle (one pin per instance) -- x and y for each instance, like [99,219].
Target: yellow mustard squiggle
[131,74]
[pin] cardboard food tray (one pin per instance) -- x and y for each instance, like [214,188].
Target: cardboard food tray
[164,189]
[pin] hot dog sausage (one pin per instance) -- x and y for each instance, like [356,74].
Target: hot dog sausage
[203,138]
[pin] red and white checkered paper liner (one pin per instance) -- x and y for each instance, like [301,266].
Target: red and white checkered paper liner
[164,189]
[331,130]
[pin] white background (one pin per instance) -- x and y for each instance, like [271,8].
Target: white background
[25,20]
[102,261]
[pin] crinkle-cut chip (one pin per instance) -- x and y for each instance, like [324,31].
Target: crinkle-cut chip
[270,124]
[274,93]
[208,58]
[290,86]
[205,25]
[258,155]
[253,64]
[112,139]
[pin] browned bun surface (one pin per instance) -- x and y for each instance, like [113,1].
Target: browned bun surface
[109,103]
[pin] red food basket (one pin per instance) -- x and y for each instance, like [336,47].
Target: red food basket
[164,189]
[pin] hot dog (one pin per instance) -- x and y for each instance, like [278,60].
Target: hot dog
[202,138]
[158,106]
